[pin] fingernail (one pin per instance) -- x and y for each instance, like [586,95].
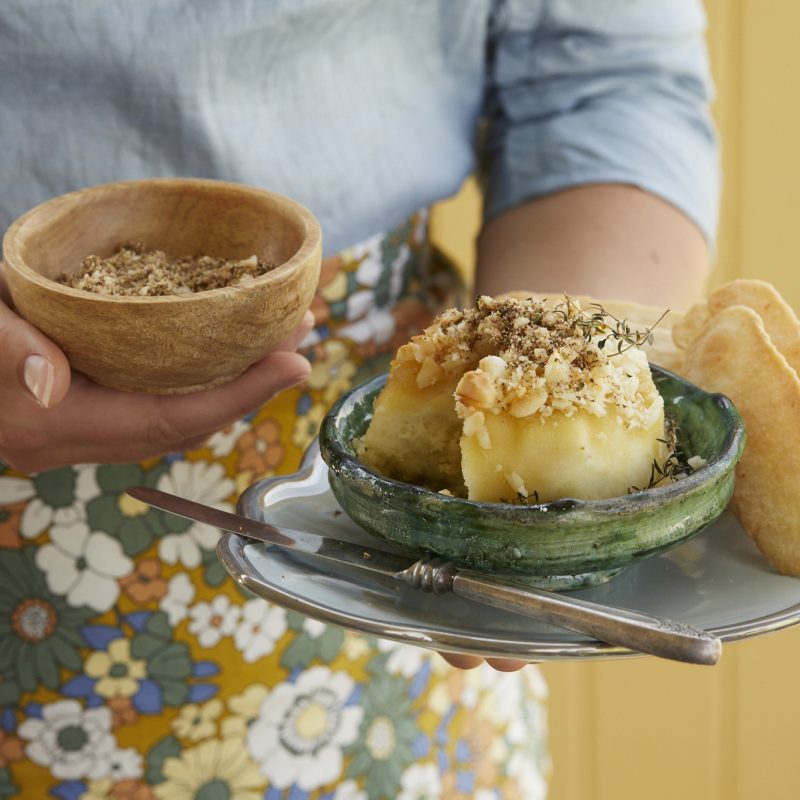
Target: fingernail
[39,374]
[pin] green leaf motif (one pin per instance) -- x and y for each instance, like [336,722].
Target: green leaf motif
[174,693]
[214,574]
[135,537]
[168,662]
[330,643]
[168,747]
[47,667]
[135,533]
[295,619]
[175,524]
[9,691]
[56,488]
[158,625]
[119,477]
[299,653]
[156,636]
[7,786]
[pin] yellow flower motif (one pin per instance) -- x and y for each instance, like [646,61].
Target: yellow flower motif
[216,768]
[306,426]
[99,790]
[195,722]
[117,674]
[333,372]
[336,289]
[439,699]
[243,480]
[131,507]
[244,709]
[355,646]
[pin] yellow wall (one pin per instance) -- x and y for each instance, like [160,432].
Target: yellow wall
[643,729]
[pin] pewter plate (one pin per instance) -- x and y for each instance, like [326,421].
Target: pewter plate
[717,581]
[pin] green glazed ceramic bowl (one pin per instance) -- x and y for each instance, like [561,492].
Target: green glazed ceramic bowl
[564,544]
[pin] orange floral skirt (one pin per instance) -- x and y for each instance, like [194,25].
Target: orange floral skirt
[132,667]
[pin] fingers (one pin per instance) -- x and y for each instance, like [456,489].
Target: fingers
[461,661]
[168,421]
[31,366]
[192,414]
[506,664]
[95,424]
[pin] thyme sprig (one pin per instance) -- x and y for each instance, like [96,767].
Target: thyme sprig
[601,322]
[674,467]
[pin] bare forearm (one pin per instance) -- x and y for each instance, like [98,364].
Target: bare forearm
[604,240]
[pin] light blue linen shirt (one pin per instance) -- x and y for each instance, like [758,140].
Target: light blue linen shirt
[363,110]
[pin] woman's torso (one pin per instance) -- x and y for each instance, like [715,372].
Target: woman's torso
[132,666]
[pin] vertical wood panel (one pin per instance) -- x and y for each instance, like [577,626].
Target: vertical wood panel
[658,730]
[573,730]
[724,38]
[768,706]
[770,131]
[768,698]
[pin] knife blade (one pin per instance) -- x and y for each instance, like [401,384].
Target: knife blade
[382,561]
[617,626]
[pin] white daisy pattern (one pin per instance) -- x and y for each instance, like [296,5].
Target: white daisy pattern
[43,510]
[126,764]
[314,628]
[222,442]
[261,625]
[420,782]
[404,659]
[303,727]
[84,566]
[71,741]
[209,622]
[527,773]
[175,603]
[349,791]
[369,322]
[206,483]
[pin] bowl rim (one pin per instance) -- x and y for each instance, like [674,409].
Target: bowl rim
[312,240]
[731,451]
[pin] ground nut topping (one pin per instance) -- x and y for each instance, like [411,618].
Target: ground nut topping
[135,271]
[526,358]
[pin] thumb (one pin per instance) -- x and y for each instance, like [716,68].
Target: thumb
[29,362]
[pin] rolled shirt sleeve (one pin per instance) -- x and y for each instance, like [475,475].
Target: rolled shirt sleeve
[601,91]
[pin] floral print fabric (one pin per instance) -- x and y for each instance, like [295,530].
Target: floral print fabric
[133,668]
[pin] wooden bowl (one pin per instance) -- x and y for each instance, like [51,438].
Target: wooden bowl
[177,343]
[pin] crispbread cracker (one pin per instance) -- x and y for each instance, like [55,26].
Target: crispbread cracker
[663,351]
[734,355]
[688,327]
[779,319]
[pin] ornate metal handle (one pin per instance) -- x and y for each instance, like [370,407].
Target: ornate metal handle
[618,626]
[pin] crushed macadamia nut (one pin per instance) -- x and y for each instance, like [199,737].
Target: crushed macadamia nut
[136,271]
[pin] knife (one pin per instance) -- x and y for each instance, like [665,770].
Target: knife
[617,626]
